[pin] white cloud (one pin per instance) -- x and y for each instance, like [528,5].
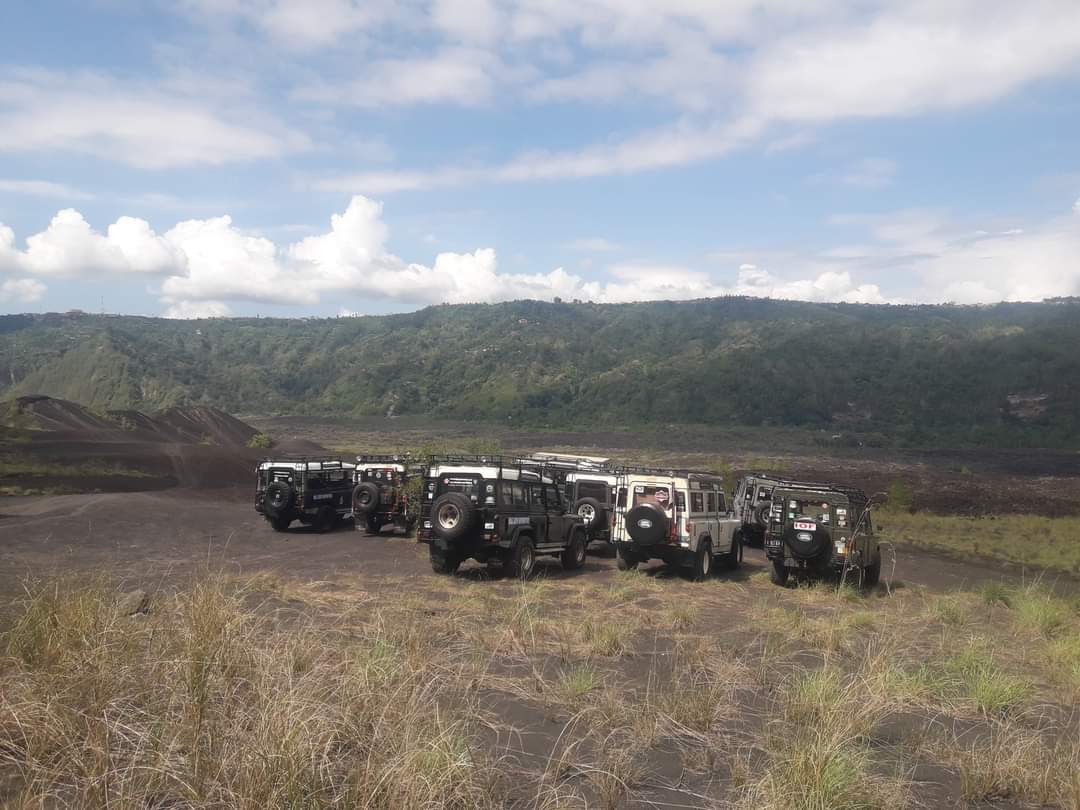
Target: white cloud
[44,188]
[870,173]
[132,122]
[594,244]
[188,310]
[70,248]
[21,291]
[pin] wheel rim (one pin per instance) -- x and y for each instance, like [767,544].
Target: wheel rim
[580,555]
[449,516]
[706,562]
[587,512]
[526,558]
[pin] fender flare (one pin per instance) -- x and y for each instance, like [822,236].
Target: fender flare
[515,534]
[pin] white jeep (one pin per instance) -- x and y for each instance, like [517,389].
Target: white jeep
[680,517]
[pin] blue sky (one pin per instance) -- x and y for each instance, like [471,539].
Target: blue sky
[278,157]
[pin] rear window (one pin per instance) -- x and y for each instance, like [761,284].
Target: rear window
[660,494]
[805,508]
[594,489]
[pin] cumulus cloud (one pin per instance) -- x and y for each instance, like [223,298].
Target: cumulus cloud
[21,291]
[188,310]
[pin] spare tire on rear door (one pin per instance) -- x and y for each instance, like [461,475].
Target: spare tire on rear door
[807,544]
[761,514]
[647,524]
[452,516]
[594,514]
[278,497]
[365,497]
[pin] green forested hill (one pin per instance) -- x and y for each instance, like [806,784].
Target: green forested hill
[1006,374]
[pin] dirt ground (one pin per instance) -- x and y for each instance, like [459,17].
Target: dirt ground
[158,537]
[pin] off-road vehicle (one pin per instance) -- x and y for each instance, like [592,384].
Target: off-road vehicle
[589,485]
[500,511]
[677,516]
[315,491]
[819,528]
[380,496]
[752,503]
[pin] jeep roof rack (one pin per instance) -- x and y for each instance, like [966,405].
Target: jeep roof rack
[673,472]
[292,458]
[384,458]
[813,486]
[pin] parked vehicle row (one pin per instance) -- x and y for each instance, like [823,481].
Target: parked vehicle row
[505,511]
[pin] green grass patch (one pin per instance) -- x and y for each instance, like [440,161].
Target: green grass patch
[1052,543]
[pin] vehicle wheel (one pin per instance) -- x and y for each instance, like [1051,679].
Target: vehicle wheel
[703,562]
[779,573]
[593,513]
[374,524]
[573,556]
[732,559]
[872,574]
[522,558]
[444,562]
[624,562]
[278,497]
[280,524]
[452,516]
[761,515]
[365,497]
[325,520]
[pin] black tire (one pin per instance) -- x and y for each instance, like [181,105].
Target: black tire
[522,560]
[410,526]
[573,556]
[373,524]
[761,515]
[732,560]
[647,524]
[625,562]
[278,498]
[452,516]
[703,562]
[872,574]
[594,513]
[325,519]
[819,544]
[365,497]
[444,562]
[778,573]
[281,523]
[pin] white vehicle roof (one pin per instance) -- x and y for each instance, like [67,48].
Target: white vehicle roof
[567,458]
[590,475]
[681,479]
[309,466]
[370,465]
[488,471]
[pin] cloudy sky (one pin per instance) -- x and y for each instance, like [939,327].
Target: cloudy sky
[317,157]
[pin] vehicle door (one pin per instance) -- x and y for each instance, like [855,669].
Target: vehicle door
[558,520]
[538,516]
[726,523]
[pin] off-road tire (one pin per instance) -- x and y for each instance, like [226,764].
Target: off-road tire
[761,515]
[325,519]
[452,516]
[625,563]
[732,560]
[278,497]
[778,572]
[365,497]
[871,574]
[598,520]
[373,524]
[280,524]
[658,524]
[703,562]
[573,556]
[522,560]
[444,562]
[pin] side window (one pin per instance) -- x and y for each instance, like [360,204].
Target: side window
[680,500]
[536,497]
[621,502]
[697,501]
[506,493]
[519,494]
[551,495]
[722,505]
[710,500]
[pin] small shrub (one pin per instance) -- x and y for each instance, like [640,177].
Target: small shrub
[901,497]
[260,441]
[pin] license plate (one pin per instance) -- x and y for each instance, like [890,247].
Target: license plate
[803,526]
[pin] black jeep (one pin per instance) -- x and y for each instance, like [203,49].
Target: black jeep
[499,511]
[381,495]
[315,491]
[752,503]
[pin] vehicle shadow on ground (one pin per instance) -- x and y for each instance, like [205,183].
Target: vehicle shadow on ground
[662,571]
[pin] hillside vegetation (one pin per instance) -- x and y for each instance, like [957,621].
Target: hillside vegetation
[1004,375]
